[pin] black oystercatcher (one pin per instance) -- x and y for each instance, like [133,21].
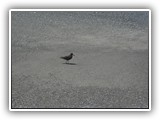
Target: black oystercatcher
[67,58]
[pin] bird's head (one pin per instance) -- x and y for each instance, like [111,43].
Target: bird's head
[72,54]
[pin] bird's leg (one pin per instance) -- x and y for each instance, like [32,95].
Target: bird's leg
[66,61]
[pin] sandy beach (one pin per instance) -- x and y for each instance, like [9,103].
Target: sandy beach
[101,74]
[103,79]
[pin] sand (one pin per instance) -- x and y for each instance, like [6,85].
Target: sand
[97,77]
[109,69]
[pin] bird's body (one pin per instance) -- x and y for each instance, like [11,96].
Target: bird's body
[67,58]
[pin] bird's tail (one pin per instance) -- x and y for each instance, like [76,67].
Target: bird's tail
[62,57]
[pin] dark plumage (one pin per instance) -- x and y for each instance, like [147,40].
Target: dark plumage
[67,58]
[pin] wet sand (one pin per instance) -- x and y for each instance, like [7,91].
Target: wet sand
[97,77]
[109,70]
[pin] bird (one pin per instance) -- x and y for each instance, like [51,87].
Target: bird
[67,58]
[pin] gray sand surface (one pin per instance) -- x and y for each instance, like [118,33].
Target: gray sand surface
[103,79]
[109,69]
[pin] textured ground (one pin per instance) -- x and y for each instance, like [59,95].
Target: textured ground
[109,70]
[103,79]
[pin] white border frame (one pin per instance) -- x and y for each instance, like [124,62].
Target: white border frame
[79,109]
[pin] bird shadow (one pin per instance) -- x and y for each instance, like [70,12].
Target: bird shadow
[70,63]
